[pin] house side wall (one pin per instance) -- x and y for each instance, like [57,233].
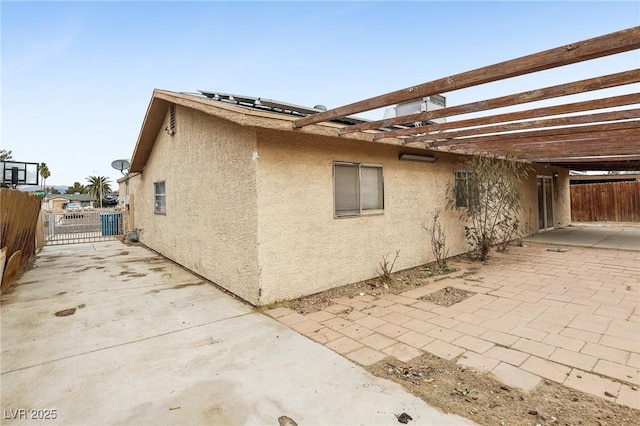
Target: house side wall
[561,197]
[304,249]
[210,225]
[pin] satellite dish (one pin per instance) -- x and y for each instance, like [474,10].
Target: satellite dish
[120,165]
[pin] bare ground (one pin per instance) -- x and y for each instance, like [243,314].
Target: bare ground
[460,390]
[456,389]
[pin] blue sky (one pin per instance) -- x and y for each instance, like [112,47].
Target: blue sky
[77,76]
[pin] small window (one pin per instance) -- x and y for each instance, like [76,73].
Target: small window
[358,189]
[160,198]
[462,188]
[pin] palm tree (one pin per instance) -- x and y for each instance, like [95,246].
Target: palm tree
[97,186]
[5,155]
[45,173]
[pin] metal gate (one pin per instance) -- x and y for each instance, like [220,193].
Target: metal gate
[82,226]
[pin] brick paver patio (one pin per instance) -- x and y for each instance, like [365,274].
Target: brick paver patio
[572,317]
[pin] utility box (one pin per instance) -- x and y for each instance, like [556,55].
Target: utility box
[429,103]
[110,223]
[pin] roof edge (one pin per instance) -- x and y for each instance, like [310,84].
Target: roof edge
[162,99]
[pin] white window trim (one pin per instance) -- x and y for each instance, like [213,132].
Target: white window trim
[155,196]
[369,212]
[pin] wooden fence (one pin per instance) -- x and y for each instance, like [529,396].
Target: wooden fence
[613,202]
[19,215]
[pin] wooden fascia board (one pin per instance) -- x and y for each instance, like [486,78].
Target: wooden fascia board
[609,44]
[156,111]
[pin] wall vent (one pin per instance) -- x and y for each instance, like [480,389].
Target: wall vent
[171,128]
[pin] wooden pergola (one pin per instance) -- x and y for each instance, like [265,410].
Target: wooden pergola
[605,140]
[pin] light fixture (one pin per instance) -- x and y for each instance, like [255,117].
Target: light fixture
[555,175]
[420,158]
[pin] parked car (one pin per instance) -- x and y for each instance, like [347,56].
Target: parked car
[74,211]
[110,200]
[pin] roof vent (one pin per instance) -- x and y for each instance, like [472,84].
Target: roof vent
[320,107]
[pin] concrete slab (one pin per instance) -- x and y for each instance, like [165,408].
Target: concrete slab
[623,237]
[552,312]
[150,343]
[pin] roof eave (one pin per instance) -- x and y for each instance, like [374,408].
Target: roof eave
[162,99]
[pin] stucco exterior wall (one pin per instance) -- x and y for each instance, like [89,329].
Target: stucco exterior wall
[304,249]
[253,210]
[210,225]
[561,200]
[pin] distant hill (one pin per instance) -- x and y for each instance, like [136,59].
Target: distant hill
[27,188]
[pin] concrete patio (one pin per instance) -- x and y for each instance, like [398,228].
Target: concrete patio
[567,314]
[148,342]
[139,340]
[593,234]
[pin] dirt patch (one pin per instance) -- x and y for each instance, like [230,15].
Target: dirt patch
[150,260]
[132,274]
[52,258]
[460,390]
[477,396]
[123,253]
[447,296]
[157,269]
[400,282]
[65,312]
[179,286]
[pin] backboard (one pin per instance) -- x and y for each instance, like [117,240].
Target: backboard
[19,173]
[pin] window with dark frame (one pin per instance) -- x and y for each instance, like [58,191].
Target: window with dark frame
[462,188]
[358,189]
[160,198]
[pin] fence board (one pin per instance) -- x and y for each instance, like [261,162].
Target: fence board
[18,222]
[612,202]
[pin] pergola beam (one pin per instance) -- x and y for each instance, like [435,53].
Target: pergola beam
[625,140]
[534,134]
[582,86]
[609,44]
[591,159]
[611,102]
[536,124]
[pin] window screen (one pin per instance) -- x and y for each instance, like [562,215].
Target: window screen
[160,197]
[358,188]
[462,188]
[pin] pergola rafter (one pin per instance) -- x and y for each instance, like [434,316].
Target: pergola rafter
[522,125]
[615,101]
[552,134]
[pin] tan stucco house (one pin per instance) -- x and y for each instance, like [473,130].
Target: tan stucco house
[59,201]
[235,193]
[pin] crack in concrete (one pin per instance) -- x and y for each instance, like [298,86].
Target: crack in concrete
[123,344]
